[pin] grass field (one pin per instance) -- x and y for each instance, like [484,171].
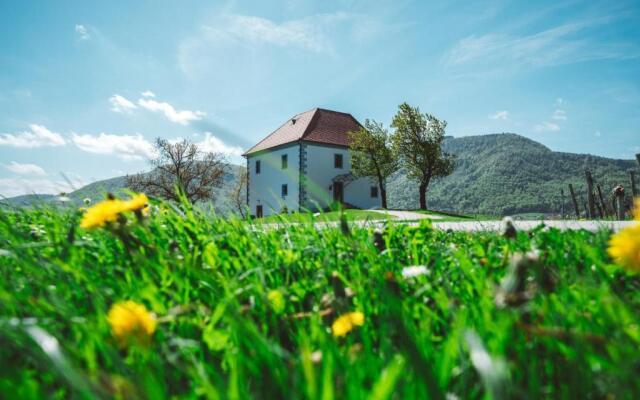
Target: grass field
[446,217]
[330,216]
[297,312]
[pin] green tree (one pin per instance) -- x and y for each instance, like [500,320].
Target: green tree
[371,155]
[417,142]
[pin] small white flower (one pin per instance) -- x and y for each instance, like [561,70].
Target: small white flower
[413,271]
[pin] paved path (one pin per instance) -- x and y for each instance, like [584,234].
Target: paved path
[473,226]
[406,215]
[483,226]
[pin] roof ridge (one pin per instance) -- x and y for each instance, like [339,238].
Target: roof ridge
[312,123]
[333,111]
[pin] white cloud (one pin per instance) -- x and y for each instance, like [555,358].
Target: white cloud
[546,126]
[38,136]
[82,32]
[126,147]
[559,115]
[212,144]
[120,104]
[565,44]
[307,33]
[148,93]
[10,187]
[501,115]
[239,36]
[183,117]
[25,169]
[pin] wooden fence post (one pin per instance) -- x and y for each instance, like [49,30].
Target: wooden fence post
[618,193]
[590,199]
[605,208]
[562,203]
[575,202]
[634,190]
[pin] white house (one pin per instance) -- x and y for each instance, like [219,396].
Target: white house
[305,165]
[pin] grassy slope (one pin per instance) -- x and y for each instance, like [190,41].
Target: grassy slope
[98,190]
[506,174]
[330,216]
[208,279]
[447,217]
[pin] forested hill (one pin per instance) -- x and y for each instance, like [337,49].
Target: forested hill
[506,174]
[499,174]
[221,200]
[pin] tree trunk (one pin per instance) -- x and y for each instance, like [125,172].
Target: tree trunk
[423,196]
[383,194]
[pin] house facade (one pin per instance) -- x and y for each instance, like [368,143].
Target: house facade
[305,165]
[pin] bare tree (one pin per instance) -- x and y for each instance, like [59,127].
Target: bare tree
[239,192]
[181,167]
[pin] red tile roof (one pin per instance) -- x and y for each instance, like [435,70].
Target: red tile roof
[317,125]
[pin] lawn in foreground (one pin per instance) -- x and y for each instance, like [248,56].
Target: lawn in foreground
[329,216]
[246,313]
[447,217]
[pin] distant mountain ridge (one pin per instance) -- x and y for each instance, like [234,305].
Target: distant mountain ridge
[97,191]
[506,174]
[496,174]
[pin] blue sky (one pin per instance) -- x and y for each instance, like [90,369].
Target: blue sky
[86,86]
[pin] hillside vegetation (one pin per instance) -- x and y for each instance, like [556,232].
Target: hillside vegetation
[499,174]
[506,174]
[97,191]
[180,304]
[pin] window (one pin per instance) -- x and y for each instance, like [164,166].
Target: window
[285,161]
[257,167]
[285,190]
[374,191]
[337,160]
[259,211]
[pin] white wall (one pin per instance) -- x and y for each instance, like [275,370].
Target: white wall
[320,172]
[265,188]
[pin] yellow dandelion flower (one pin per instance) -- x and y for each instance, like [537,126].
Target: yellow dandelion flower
[624,248]
[345,323]
[137,202]
[131,321]
[276,299]
[101,213]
